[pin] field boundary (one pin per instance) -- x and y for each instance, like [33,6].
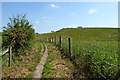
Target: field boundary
[59,41]
[8,50]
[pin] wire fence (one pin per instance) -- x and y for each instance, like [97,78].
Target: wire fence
[59,42]
[4,53]
[103,48]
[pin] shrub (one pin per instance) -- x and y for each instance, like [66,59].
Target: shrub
[18,33]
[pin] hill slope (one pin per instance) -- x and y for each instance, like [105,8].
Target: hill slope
[91,49]
[86,33]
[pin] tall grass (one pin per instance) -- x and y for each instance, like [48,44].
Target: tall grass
[92,59]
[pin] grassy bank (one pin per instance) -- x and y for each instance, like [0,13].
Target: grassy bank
[24,65]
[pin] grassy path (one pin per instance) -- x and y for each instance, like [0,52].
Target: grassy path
[39,68]
[56,66]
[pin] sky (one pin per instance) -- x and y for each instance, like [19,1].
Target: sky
[52,16]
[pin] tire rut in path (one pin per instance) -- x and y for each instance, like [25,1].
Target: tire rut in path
[40,67]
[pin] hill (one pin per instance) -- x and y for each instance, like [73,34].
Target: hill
[85,34]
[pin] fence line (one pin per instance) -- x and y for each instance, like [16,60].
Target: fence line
[51,39]
[60,42]
[69,40]
[103,48]
[9,50]
[55,39]
[4,52]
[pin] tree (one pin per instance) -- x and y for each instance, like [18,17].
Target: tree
[52,31]
[37,33]
[18,33]
[79,27]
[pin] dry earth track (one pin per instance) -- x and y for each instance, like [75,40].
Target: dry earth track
[40,67]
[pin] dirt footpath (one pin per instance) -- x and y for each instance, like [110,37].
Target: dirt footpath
[40,67]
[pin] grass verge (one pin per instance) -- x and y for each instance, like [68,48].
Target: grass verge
[48,72]
[24,66]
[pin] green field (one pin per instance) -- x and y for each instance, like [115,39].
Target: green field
[94,50]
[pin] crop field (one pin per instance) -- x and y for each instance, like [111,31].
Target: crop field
[94,51]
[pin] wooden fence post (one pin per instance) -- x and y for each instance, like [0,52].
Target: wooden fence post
[60,42]
[52,39]
[47,39]
[69,41]
[10,52]
[55,39]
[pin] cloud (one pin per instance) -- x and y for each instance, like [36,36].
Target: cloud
[91,11]
[37,22]
[54,6]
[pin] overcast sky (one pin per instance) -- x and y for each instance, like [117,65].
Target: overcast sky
[52,16]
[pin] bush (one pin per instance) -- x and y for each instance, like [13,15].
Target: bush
[18,33]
